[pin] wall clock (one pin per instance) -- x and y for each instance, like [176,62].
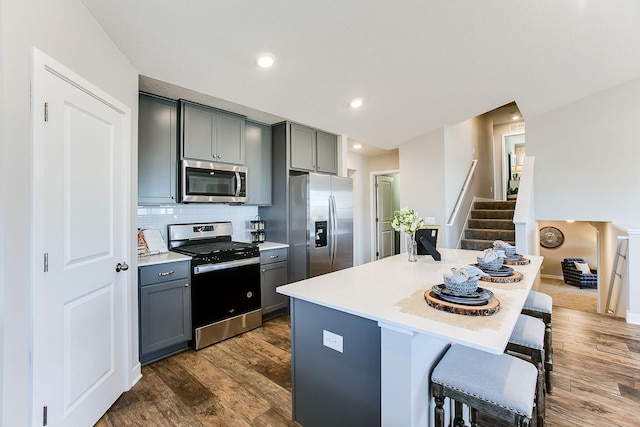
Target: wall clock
[551,237]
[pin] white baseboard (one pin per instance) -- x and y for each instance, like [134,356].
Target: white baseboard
[633,318]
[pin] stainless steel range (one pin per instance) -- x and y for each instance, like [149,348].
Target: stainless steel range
[225,280]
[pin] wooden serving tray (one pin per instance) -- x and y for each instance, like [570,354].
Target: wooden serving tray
[470,310]
[521,261]
[514,277]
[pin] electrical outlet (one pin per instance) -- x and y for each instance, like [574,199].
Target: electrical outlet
[430,220]
[331,340]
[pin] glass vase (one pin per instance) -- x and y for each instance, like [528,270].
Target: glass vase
[412,247]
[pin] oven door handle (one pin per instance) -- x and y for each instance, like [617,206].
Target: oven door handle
[224,265]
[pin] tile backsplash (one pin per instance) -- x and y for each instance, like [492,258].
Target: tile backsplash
[159,217]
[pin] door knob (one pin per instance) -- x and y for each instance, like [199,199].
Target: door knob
[122,267]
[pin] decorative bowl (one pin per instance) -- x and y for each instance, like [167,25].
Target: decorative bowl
[510,251]
[466,287]
[491,265]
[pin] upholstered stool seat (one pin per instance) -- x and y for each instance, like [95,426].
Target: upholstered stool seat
[527,339]
[501,385]
[540,305]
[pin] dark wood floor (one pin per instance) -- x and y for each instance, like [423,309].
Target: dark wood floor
[246,380]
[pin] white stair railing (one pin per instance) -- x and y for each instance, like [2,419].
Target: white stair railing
[463,193]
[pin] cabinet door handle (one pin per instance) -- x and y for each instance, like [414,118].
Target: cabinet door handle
[165,273]
[186,285]
[275,256]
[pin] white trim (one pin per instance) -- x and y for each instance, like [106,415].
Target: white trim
[633,318]
[41,64]
[503,185]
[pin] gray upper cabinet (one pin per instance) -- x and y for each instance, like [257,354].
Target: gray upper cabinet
[258,162]
[327,152]
[312,150]
[303,147]
[157,150]
[212,135]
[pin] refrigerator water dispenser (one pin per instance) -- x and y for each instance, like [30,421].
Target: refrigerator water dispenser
[321,234]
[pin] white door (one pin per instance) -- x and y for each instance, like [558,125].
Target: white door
[79,234]
[384,211]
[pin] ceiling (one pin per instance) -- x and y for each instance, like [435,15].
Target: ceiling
[417,64]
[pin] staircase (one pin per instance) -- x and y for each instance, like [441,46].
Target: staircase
[489,221]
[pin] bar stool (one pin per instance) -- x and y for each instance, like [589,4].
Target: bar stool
[540,305]
[527,339]
[501,385]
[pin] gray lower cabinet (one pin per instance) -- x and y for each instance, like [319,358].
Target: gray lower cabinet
[211,135]
[258,162]
[165,309]
[273,273]
[157,150]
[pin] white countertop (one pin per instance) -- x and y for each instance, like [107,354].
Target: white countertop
[265,246]
[162,258]
[390,291]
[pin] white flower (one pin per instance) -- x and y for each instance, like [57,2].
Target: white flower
[406,221]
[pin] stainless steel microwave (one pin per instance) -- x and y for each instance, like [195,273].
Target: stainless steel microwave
[205,182]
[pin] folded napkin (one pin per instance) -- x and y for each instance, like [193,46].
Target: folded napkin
[464,273]
[500,244]
[505,247]
[490,255]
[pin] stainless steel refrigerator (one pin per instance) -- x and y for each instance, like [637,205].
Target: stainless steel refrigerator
[320,226]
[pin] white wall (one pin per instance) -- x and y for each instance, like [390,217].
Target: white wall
[434,166]
[465,142]
[586,158]
[586,154]
[361,169]
[66,31]
[422,177]
[2,220]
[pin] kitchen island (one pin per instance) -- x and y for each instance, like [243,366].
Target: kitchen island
[364,341]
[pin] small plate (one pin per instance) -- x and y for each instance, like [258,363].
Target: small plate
[504,270]
[481,296]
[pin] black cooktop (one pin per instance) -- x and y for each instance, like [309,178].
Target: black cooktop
[215,247]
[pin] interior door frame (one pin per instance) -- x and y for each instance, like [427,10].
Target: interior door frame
[504,172]
[372,208]
[41,64]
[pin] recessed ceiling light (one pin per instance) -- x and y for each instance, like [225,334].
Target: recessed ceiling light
[356,103]
[515,117]
[357,146]
[265,60]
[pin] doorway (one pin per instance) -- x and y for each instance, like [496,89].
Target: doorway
[573,240]
[80,232]
[385,201]
[513,149]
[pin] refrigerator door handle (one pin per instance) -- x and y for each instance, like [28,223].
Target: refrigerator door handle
[334,229]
